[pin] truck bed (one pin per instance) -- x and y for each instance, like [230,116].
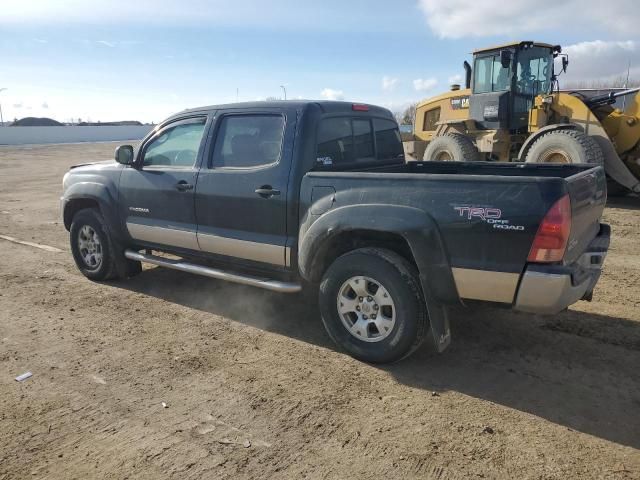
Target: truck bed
[487,213]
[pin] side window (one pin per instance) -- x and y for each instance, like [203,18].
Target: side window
[482,75]
[489,75]
[388,141]
[248,141]
[431,117]
[175,146]
[335,142]
[500,76]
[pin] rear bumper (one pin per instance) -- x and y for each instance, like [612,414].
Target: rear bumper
[549,289]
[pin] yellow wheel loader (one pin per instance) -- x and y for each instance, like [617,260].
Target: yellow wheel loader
[512,110]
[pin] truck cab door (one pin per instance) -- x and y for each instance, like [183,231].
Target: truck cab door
[241,196]
[157,192]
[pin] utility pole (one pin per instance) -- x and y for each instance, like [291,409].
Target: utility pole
[1,119]
[284,90]
[626,85]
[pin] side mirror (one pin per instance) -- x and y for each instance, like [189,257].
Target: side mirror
[124,154]
[505,58]
[565,64]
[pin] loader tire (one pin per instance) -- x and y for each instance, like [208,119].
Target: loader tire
[565,146]
[451,147]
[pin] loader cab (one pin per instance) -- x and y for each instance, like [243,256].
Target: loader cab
[505,81]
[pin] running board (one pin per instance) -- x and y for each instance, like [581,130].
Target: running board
[273,285]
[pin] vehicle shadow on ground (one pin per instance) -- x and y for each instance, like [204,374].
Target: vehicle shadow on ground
[575,369]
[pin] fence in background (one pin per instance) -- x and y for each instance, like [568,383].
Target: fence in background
[43,135]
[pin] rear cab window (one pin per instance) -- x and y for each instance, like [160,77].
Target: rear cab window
[348,141]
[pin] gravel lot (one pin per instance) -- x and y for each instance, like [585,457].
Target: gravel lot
[255,389]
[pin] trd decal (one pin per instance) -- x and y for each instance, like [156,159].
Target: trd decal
[480,212]
[492,216]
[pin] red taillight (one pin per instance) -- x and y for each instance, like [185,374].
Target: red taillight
[553,233]
[359,107]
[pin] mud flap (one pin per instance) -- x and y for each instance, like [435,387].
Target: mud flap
[439,323]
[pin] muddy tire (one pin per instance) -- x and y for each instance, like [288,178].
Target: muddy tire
[565,146]
[95,252]
[451,147]
[372,305]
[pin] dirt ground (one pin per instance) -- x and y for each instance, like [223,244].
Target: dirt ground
[255,389]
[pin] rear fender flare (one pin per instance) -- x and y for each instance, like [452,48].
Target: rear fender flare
[415,226]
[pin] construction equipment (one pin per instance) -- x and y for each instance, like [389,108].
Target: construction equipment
[513,110]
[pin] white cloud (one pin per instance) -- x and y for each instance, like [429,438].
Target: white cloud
[106,43]
[45,105]
[601,60]
[422,84]
[389,83]
[472,18]
[457,78]
[331,94]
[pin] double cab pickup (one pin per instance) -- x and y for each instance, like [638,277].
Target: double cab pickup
[286,195]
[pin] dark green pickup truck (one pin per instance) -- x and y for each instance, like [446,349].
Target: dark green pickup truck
[281,195]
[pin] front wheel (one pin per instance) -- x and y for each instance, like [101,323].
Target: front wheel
[372,305]
[94,250]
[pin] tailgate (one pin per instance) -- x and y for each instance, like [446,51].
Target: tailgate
[588,193]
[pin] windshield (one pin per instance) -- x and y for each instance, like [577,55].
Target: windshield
[533,71]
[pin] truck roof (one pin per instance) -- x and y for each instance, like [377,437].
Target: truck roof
[327,106]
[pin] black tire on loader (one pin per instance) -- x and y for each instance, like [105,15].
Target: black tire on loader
[451,147]
[565,146]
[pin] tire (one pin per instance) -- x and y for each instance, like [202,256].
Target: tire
[451,147]
[565,146]
[614,189]
[89,235]
[396,316]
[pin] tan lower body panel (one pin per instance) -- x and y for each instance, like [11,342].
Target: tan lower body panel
[163,236]
[232,247]
[487,285]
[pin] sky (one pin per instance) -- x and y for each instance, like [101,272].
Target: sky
[144,60]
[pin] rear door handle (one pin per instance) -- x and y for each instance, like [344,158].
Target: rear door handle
[267,191]
[183,186]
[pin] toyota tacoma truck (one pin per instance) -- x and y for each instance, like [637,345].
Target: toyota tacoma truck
[286,195]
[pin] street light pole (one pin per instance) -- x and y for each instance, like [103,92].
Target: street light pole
[1,119]
[284,90]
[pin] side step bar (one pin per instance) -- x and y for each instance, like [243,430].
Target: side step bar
[273,285]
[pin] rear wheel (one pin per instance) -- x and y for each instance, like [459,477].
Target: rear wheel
[565,146]
[372,305]
[451,147]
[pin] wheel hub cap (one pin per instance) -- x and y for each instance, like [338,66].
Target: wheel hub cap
[90,247]
[366,309]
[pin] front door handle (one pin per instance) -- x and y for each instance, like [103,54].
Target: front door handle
[267,191]
[183,186]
